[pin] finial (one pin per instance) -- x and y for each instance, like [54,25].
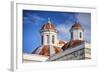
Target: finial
[49,20]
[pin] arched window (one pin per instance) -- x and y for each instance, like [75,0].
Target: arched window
[71,35]
[48,39]
[80,35]
[41,39]
[53,38]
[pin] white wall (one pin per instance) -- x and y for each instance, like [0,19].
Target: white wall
[76,34]
[34,57]
[50,34]
[5,37]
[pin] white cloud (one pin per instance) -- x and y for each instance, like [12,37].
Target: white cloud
[85,21]
[36,17]
[63,32]
[87,35]
[62,28]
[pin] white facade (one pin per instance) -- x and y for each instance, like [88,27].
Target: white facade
[49,38]
[77,34]
[34,58]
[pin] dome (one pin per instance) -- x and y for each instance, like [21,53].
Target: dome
[76,26]
[44,50]
[48,26]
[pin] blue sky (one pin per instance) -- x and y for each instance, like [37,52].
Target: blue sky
[34,20]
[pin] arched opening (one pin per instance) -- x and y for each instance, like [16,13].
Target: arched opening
[41,39]
[47,39]
[53,38]
[80,34]
[71,35]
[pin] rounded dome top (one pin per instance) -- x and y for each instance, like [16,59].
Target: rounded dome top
[48,26]
[76,26]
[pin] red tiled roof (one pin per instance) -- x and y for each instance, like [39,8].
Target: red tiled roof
[72,43]
[48,26]
[76,26]
[46,52]
[57,50]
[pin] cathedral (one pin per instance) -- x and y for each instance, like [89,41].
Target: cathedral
[53,49]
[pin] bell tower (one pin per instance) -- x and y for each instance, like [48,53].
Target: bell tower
[77,32]
[49,36]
